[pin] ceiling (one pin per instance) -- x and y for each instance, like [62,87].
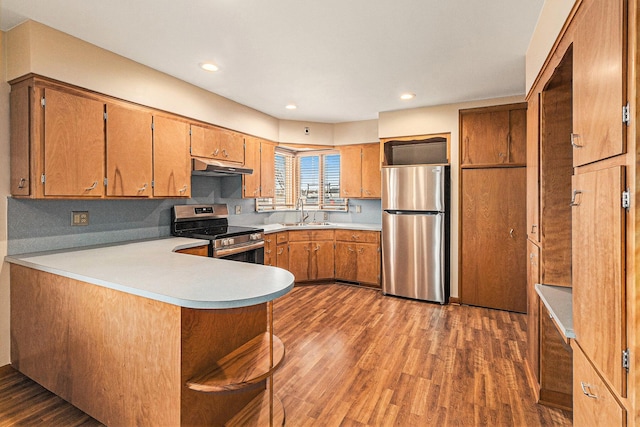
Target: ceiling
[337,60]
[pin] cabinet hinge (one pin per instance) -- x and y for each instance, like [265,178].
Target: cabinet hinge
[42,178]
[190,132]
[106,181]
[105,115]
[626,114]
[626,199]
[43,101]
[152,128]
[153,184]
[625,359]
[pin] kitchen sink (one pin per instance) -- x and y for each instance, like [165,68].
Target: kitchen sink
[303,224]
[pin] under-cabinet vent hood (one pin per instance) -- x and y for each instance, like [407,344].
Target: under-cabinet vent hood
[211,167]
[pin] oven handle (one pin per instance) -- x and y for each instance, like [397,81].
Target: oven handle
[219,253]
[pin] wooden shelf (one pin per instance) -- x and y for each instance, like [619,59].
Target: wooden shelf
[257,413]
[247,365]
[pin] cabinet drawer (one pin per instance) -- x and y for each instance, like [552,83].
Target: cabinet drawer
[358,236]
[310,235]
[593,402]
[282,237]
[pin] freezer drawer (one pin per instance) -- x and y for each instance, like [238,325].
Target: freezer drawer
[413,255]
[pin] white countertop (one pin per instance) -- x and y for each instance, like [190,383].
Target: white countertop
[152,269]
[558,300]
[274,228]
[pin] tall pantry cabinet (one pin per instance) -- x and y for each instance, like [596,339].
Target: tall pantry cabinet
[581,212]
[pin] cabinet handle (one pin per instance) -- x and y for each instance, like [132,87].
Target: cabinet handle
[368,192]
[215,153]
[511,233]
[574,197]
[183,189]
[224,153]
[574,144]
[317,248]
[95,184]
[280,251]
[268,251]
[586,389]
[306,248]
[21,183]
[349,249]
[533,227]
[267,240]
[143,188]
[361,250]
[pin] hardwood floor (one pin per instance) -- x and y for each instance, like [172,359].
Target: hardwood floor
[356,358]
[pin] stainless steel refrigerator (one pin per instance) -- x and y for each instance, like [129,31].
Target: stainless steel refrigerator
[415,232]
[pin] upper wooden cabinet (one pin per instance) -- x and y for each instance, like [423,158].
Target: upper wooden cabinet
[599,76]
[129,151]
[259,156]
[360,171]
[533,168]
[171,161]
[217,143]
[73,145]
[493,135]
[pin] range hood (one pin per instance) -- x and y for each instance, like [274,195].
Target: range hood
[211,167]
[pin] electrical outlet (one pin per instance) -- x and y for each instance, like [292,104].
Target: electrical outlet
[79,218]
[325,216]
[358,208]
[238,209]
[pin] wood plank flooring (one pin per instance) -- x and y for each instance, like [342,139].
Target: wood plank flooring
[356,358]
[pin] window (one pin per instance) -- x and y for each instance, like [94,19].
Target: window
[313,176]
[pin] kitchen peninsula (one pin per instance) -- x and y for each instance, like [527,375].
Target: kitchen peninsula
[137,334]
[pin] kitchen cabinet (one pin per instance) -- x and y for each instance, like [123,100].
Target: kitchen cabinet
[259,156]
[599,81]
[129,151]
[217,143]
[73,145]
[360,171]
[357,256]
[171,161]
[270,249]
[21,100]
[598,269]
[493,216]
[533,314]
[593,403]
[311,254]
[282,250]
[493,136]
[533,168]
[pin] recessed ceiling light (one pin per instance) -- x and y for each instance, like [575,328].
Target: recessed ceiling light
[407,96]
[291,107]
[208,66]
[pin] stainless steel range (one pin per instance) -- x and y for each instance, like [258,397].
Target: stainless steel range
[210,222]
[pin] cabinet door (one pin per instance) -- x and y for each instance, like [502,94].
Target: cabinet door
[322,266]
[493,270]
[346,258]
[533,164]
[593,403]
[350,171]
[251,183]
[267,169]
[598,274]
[282,256]
[517,139]
[371,177]
[485,137]
[556,381]
[21,102]
[73,145]
[129,152]
[171,161]
[598,82]
[368,266]
[270,249]
[216,143]
[300,260]
[533,317]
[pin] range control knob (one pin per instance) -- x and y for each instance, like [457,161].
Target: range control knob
[231,241]
[255,236]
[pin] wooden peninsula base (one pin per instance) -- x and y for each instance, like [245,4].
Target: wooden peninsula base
[130,360]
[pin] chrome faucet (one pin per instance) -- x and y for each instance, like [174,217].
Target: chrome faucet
[300,203]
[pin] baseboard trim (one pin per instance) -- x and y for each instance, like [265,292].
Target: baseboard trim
[454,300]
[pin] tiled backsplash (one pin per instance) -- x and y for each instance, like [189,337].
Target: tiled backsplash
[41,225]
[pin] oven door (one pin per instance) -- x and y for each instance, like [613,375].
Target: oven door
[252,253]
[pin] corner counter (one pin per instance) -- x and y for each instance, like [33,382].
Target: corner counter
[137,334]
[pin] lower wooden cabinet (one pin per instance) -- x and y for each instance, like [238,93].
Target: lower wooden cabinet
[198,250]
[311,254]
[358,256]
[593,402]
[555,364]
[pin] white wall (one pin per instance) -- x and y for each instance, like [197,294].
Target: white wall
[4,193]
[431,120]
[552,17]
